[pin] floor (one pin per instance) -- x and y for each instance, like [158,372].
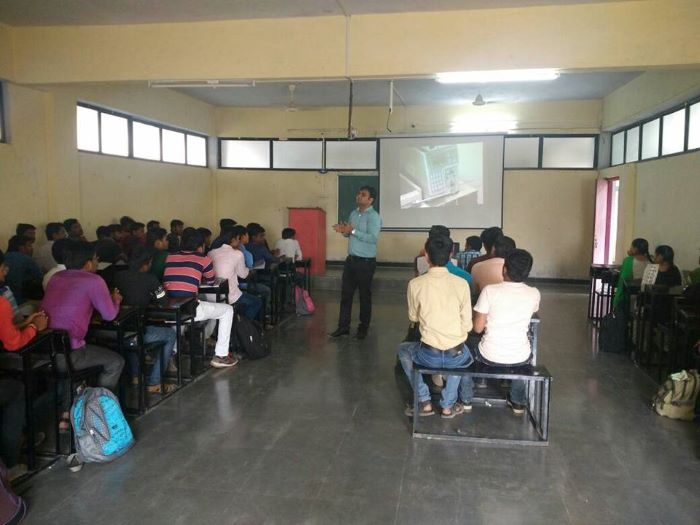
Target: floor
[316,434]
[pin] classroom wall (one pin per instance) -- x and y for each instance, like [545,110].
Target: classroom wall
[588,36]
[48,179]
[574,189]
[6,55]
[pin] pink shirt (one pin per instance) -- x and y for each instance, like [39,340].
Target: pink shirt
[488,272]
[229,263]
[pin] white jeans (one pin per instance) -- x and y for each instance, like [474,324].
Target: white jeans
[224,314]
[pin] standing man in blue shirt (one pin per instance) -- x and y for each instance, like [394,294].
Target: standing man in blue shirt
[358,271]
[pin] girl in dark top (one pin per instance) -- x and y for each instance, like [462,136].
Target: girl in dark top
[668,275]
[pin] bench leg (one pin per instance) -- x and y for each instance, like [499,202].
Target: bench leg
[416,403]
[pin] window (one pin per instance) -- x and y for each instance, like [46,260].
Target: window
[113,133]
[568,152]
[632,146]
[173,146]
[245,154]
[196,150]
[673,139]
[618,148]
[650,139]
[297,154]
[521,152]
[694,126]
[146,141]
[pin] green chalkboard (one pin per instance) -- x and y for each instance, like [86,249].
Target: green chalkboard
[348,185]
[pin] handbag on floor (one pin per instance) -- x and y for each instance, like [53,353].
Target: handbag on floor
[303,303]
[676,398]
[612,337]
[101,432]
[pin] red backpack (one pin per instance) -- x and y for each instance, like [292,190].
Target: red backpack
[304,305]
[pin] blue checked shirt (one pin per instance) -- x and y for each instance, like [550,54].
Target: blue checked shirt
[363,243]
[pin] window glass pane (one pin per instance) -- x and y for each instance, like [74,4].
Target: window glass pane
[568,152]
[245,154]
[196,150]
[618,148]
[297,154]
[632,150]
[173,146]
[694,129]
[650,139]
[674,132]
[146,141]
[115,135]
[521,152]
[87,128]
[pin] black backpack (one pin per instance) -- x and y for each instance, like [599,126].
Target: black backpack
[250,338]
[612,336]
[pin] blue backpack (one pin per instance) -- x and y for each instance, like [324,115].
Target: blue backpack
[101,432]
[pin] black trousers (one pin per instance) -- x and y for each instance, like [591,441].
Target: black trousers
[357,273]
[11,420]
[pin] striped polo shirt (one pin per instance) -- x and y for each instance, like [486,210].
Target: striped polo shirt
[184,271]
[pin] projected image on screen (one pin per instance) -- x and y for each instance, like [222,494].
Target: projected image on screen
[454,180]
[435,176]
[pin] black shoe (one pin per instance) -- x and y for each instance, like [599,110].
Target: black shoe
[339,332]
[361,333]
[517,408]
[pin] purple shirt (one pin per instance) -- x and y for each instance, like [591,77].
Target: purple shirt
[70,299]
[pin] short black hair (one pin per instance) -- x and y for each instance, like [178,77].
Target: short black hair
[68,223]
[16,242]
[226,223]
[372,192]
[474,243]
[227,235]
[102,232]
[2,257]
[206,232]
[664,250]
[255,229]
[288,233]
[58,250]
[135,226]
[140,255]
[176,222]
[52,229]
[126,221]
[438,229]
[641,245]
[504,246]
[438,248]
[192,241]
[518,264]
[155,234]
[23,228]
[77,253]
[239,231]
[150,225]
[107,250]
[114,228]
[490,236]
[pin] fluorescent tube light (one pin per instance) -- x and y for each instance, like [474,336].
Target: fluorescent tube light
[502,75]
[200,83]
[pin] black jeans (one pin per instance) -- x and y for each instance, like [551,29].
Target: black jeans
[357,273]
[12,417]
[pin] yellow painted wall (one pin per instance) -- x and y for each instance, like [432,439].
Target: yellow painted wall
[591,36]
[6,58]
[45,178]
[523,220]
[667,206]
[646,94]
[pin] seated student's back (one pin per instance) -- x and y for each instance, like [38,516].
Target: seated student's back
[490,271]
[288,246]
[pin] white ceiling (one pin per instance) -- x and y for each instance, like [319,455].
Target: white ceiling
[105,12]
[412,92]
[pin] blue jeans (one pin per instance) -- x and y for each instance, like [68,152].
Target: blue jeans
[155,334]
[250,305]
[416,351]
[517,387]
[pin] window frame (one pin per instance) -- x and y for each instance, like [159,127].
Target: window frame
[540,152]
[3,127]
[130,129]
[659,115]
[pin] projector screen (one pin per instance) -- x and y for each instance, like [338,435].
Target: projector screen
[453,181]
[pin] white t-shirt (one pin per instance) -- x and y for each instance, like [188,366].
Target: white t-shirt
[508,307]
[289,248]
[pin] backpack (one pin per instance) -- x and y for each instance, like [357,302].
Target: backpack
[612,336]
[304,305]
[12,507]
[101,432]
[250,338]
[677,396]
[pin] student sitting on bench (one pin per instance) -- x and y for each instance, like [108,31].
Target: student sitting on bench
[504,311]
[441,303]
